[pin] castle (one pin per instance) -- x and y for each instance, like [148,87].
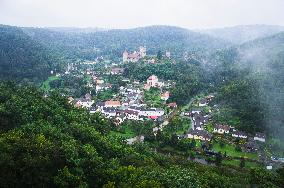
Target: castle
[135,56]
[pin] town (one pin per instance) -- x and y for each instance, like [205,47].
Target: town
[125,101]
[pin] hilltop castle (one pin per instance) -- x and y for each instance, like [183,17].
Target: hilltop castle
[135,56]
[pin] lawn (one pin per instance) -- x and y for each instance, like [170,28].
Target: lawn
[45,85]
[124,135]
[230,150]
[184,126]
[236,162]
[153,97]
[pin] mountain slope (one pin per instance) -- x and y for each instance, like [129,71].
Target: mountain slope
[113,42]
[23,58]
[242,34]
[259,66]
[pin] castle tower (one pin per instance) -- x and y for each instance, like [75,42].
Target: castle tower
[142,51]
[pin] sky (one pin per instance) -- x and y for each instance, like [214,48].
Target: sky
[192,14]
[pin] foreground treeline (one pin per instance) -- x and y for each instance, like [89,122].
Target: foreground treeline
[44,142]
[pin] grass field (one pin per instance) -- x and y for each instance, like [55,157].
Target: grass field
[236,162]
[230,150]
[45,85]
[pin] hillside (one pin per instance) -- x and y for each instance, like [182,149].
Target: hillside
[112,43]
[254,82]
[22,58]
[242,34]
[45,142]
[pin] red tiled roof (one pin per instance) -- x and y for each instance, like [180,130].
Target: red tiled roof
[112,103]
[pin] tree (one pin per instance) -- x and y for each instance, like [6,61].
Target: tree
[218,159]
[159,55]
[242,163]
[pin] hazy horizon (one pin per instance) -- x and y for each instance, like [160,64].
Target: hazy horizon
[125,14]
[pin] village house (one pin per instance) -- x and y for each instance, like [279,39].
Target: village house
[102,87]
[152,113]
[210,98]
[198,125]
[100,105]
[195,110]
[119,119]
[259,137]
[221,129]
[112,103]
[251,146]
[70,99]
[153,81]
[172,105]
[147,87]
[168,54]
[202,102]
[99,81]
[165,96]
[239,134]
[93,109]
[135,56]
[83,102]
[199,120]
[199,135]
[132,115]
[116,71]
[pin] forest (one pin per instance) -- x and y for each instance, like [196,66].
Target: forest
[45,142]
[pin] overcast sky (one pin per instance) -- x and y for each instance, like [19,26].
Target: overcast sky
[192,14]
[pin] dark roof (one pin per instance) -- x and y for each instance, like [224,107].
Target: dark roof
[200,118]
[240,133]
[131,112]
[224,127]
[100,104]
[109,109]
[93,108]
[202,133]
[203,101]
[252,144]
[135,108]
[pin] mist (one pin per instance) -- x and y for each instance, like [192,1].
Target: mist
[192,14]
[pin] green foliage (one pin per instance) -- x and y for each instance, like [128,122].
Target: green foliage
[23,59]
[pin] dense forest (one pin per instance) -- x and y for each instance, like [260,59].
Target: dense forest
[250,82]
[23,58]
[111,43]
[45,142]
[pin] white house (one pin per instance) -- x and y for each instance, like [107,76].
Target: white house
[202,102]
[239,134]
[153,81]
[152,112]
[132,115]
[259,137]
[196,110]
[221,129]
[84,103]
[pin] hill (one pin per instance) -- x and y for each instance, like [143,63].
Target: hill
[112,43]
[23,58]
[243,33]
[45,142]
[253,87]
